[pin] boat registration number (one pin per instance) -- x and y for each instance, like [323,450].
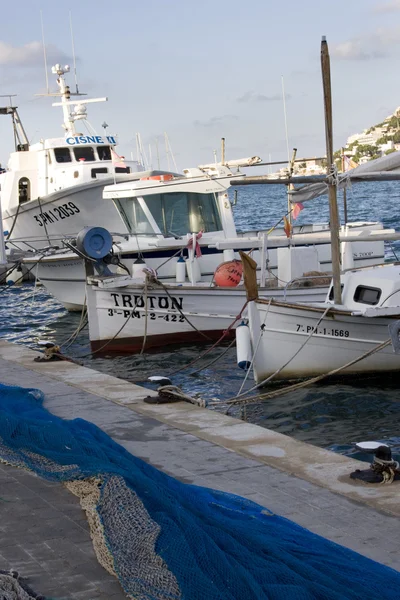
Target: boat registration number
[57,213]
[135,314]
[322,330]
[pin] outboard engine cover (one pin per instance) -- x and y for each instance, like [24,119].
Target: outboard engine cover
[94,242]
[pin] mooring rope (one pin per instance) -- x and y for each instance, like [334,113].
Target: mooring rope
[301,384]
[268,379]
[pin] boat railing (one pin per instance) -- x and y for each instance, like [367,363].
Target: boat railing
[303,278]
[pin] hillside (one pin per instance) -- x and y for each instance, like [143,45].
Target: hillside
[382,138]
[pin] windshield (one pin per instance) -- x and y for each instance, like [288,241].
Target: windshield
[134,216]
[180,213]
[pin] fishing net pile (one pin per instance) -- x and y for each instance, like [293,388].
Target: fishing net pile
[166,540]
[13,587]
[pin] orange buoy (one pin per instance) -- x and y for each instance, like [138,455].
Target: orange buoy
[228,274]
[166,177]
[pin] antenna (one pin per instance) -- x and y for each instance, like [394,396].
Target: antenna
[44,54]
[73,52]
[284,113]
[169,150]
[158,154]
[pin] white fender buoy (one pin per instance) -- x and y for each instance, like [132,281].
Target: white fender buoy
[243,346]
[347,256]
[137,269]
[14,277]
[180,270]
[193,270]
[229,255]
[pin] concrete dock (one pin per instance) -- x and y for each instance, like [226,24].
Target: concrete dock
[44,534]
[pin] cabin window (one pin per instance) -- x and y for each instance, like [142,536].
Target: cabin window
[24,190]
[122,169]
[332,293]
[62,155]
[367,295]
[99,170]
[180,213]
[84,154]
[134,216]
[104,152]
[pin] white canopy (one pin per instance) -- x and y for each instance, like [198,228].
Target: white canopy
[386,168]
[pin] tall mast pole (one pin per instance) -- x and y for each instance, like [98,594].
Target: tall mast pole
[344,189]
[332,189]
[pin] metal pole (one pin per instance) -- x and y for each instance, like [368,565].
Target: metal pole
[290,186]
[222,151]
[332,190]
[344,189]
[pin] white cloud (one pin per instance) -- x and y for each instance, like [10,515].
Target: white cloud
[369,46]
[392,6]
[30,55]
[252,96]
[216,121]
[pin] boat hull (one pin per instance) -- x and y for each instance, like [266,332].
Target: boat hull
[63,213]
[120,319]
[278,331]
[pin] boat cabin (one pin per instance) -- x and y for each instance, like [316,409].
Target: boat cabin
[173,206]
[58,163]
[377,286]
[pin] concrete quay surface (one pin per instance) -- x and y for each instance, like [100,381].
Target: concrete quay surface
[44,534]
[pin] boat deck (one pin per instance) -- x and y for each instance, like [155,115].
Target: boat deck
[45,536]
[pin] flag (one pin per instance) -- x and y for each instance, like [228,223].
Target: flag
[349,164]
[117,161]
[296,210]
[287,227]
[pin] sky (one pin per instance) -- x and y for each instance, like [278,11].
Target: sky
[205,70]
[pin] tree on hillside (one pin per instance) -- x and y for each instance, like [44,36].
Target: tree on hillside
[394,123]
[366,150]
[382,140]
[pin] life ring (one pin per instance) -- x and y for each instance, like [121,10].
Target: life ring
[158,178]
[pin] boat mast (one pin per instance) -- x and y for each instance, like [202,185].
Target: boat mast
[332,188]
[65,93]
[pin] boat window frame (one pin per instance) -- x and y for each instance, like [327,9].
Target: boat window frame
[81,149]
[212,198]
[104,148]
[150,218]
[99,170]
[368,288]
[331,293]
[28,190]
[142,204]
[67,150]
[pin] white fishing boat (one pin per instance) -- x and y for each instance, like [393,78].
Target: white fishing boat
[53,188]
[294,340]
[355,331]
[131,317]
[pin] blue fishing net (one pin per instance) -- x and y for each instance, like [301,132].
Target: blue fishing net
[170,540]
